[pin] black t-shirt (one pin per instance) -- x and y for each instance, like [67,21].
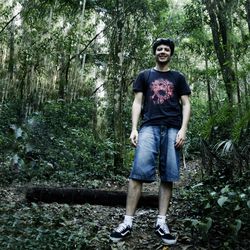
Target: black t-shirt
[162,92]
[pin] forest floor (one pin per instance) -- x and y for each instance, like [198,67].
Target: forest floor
[88,226]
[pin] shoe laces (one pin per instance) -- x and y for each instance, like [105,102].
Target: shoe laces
[165,228]
[121,227]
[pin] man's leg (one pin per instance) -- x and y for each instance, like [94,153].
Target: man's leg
[169,170]
[133,196]
[143,170]
[165,193]
[162,230]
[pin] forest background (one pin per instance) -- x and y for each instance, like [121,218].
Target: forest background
[66,75]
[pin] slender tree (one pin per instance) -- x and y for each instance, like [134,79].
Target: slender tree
[247,7]
[219,13]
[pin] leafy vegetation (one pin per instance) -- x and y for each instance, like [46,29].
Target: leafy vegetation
[218,211]
[65,89]
[31,226]
[57,143]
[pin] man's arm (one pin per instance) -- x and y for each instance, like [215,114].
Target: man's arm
[136,111]
[186,111]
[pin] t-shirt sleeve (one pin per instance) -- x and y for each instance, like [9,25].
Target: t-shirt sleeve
[183,87]
[139,83]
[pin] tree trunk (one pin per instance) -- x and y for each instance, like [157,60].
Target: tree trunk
[236,76]
[247,7]
[219,23]
[208,84]
[247,91]
[82,196]
[118,86]
[11,54]
[63,75]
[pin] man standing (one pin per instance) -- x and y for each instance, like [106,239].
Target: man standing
[162,96]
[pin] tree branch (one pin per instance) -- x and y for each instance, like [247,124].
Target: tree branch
[13,18]
[10,21]
[98,34]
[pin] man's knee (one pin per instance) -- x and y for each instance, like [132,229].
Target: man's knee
[135,184]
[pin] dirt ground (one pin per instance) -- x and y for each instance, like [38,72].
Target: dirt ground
[143,236]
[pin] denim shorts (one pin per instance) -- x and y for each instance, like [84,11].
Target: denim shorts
[156,143]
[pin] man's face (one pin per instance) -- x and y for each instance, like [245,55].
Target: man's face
[163,54]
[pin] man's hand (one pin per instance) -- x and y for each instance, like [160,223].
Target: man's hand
[180,138]
[134,137]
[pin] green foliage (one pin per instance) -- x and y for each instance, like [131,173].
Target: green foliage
[58,143]
[8,113]
[229,122]
[241,126]
[68,139]
[220,214]
[10,143]
[48,227]
[226,136]
[196,126]
[219,125]
[61,142]
[193,15]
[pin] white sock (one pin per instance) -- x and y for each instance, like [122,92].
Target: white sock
[161,219]
[128,220]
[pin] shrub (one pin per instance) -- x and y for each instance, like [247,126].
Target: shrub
[59,142]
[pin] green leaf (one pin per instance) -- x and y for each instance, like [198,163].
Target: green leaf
[203,226]
[238,225]
[208,205]
[248,204]
[225,189]
[242,196]
[209,223]
[222,200]
[237,208]
[213,194]
[197,185]
[195,222]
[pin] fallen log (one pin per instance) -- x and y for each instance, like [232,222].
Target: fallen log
[90,196]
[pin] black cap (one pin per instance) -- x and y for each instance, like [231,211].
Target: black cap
[165,41]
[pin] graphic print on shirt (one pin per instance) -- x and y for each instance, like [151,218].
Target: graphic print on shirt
[161,91]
